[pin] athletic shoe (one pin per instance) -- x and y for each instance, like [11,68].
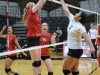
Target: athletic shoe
[92,59]
[95,59]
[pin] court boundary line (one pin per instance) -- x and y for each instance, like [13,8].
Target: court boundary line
[93,70]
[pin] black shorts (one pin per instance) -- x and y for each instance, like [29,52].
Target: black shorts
[33,41]
[45,57]
[12,57]
[76,53]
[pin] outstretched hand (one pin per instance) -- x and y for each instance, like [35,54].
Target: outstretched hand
[24,54]
[4,27]
[92,50]
[54,35]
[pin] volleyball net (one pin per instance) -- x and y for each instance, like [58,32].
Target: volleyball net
[93,17]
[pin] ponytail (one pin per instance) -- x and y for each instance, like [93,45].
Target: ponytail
[24,16]
[30,4]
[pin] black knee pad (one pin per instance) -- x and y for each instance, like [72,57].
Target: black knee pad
[36,63]
[39,74]
[7,70]
[75,73]
[66,72]
[50,73]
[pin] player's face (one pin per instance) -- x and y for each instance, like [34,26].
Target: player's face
[92,25]
[9,30]
[77,16]
[58,28]
[44,27]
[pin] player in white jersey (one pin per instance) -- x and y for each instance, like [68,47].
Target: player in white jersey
[76,29]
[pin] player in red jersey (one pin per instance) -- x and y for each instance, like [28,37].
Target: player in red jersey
[32,20]
[12,42]
[45,39]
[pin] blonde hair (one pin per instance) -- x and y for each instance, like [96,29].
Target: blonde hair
[30,4]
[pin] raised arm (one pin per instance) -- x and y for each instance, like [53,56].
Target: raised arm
[1,33]
[38,6]
[65,8]
[18,46]
[53,38]
[85,35]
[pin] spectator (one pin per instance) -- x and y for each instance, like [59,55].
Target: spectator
[92,34]
[59,34]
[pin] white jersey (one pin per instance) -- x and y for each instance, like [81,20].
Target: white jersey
[75,30]
[92,33]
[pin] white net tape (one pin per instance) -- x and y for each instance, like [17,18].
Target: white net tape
[55,1]
[31,48]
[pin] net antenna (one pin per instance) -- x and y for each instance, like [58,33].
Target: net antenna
[7,15]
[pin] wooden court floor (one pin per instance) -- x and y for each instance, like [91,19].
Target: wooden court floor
[24,67]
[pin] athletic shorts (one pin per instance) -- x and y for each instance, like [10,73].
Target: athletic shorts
[33,41]
[76,53]
[45,57]
[12,57]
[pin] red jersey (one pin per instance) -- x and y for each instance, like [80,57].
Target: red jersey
[44,40]
[34,24]
[11,44]
[99,34]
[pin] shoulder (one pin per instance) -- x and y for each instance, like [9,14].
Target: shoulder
[80,25]
[31,10]
[49,35]
[14,36]
[95,29]
[71,17]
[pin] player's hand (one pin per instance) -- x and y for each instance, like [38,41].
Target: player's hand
[98,36]
[4,27]
[95,43]
[54,35]
[92,50]
[24,54]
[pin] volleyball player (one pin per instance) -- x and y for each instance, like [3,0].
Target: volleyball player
[76,29]
[32,20]
[12,42]
[45,39]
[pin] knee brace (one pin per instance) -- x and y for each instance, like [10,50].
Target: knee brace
[7,70]
[75,73]
[50,73]
[66,72]
[36,63]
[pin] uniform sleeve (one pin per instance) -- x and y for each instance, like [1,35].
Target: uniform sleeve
[14,37]
[82,29]
[71,16]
